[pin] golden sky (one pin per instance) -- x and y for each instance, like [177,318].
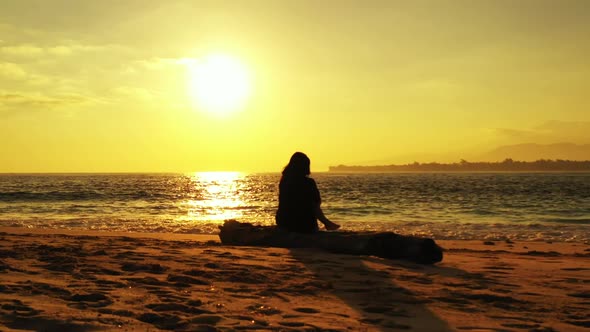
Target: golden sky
[104,86]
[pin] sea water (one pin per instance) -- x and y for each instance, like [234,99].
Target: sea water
[487,206]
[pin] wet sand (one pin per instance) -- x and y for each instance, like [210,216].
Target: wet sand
[54,280]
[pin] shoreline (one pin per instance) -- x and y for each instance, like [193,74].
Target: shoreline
[499,232]
[85,280]
[71,232]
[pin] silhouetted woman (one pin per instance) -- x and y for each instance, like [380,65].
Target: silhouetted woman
[299,198]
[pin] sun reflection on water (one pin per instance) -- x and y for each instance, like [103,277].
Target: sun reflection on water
[218,196]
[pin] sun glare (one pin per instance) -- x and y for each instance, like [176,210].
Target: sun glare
[220,197]
[219,84]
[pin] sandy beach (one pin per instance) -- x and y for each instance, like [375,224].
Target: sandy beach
[53,280]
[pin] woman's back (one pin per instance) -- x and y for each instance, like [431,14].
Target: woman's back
[298,199]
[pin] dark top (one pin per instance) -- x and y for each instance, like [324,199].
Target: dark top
[298,200]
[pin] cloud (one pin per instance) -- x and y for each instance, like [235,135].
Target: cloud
[548,132]
[25,50]
[578,128]
[513,133]
[435,90]
[12,71]
[62,65]
[128,92]
[64,48]
[164,63]
[20,100]
[533,151]
[70,49]
[60,50]
[17,72]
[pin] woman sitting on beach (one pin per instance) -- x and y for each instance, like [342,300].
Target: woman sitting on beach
[299,199]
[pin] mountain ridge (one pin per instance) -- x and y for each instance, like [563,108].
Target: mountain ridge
[508,165]
[536,151]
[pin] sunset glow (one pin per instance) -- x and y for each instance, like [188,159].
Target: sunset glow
[220,197]
[219,84]
[187,86]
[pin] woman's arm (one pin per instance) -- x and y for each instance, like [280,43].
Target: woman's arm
[318,210]
[327,223]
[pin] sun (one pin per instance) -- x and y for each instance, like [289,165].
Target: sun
[219,83]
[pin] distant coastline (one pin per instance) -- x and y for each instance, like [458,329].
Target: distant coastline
[508,165]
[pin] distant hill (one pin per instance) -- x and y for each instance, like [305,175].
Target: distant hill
[532,152]
[508,165]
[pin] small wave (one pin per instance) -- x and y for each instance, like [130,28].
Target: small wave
[471,206]
[483,212]
[436,230]
[574,221]
[82,195]
[24,196]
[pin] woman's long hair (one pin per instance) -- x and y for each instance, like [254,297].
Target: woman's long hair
[297,167]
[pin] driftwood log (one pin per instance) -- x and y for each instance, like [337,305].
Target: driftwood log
[380,244]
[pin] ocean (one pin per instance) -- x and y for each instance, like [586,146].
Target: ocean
[475,206]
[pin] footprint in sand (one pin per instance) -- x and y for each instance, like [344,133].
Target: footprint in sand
[579,320]
[373,321]
[386,310]
[16,308]
[522,326]
[227,254]
[583,295]
[147,281]
[186,280]
[292,324]
[416,279]
[98,270]
[496,267]
[163,321]
[130,255]
[307,310]
[149,268]
[91,300]
[211,265]
[175,307]
[122,313]
[59,263]
[38,288]
[109,284]
[263,310]
[206,319]
[396,326]
[575,269]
